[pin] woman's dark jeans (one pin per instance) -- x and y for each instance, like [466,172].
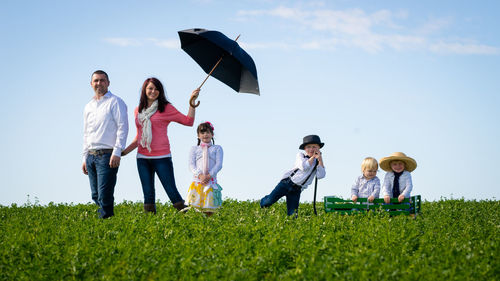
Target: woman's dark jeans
[164,168]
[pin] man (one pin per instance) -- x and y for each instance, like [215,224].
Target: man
[104,137]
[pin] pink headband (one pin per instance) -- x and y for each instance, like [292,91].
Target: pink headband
[211,126]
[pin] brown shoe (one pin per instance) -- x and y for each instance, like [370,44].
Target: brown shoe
[179,205]
[150,208]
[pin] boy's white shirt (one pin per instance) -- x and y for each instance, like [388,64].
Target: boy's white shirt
[304,169]
[405,184]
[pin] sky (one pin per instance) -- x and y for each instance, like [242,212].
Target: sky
[369,77]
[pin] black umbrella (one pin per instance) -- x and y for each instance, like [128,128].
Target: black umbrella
[221,58]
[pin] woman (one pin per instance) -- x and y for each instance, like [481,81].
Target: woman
[152,117]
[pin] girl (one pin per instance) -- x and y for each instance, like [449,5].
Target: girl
[205,161]
[152,117]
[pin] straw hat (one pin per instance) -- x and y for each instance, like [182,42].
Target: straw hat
[410,163]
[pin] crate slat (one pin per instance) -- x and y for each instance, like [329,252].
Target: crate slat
[410,205]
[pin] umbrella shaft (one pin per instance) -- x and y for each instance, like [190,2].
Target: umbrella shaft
[210,73]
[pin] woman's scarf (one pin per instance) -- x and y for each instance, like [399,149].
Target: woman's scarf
[145,120]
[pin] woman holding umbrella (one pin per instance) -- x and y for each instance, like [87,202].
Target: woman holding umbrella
[152,117]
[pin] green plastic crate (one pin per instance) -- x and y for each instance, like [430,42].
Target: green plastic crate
[409,206]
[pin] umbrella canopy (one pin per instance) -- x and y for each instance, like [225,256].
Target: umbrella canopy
[207,47]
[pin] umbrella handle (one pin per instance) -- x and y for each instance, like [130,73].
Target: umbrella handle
[192,104]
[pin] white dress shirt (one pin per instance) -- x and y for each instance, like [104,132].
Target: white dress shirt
[302,169]
[365,188]
[105,124]
[215,157]
[405,184]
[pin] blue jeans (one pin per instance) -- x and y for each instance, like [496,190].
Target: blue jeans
[164,168]
[102,183]
[284,188]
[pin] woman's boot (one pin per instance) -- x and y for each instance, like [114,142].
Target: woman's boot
[179,205]
[150,208]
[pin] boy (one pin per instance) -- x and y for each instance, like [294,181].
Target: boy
[368,184]
[397,181]
[308,163]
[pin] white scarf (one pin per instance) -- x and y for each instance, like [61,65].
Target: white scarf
[144,118]
[205,157]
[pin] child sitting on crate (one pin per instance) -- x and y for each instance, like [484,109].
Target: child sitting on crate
[308,163]
[368,184]
[397,181]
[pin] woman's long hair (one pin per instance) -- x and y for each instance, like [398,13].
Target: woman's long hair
[162,100]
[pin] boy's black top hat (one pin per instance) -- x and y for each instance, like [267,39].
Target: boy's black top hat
[311,139]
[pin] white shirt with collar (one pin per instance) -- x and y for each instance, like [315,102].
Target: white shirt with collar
[405,184]
[105,124]
[303,169]
[365,188]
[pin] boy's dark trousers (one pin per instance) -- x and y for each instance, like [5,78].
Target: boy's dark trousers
[284,188]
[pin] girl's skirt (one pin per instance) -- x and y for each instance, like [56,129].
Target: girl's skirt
[207,199]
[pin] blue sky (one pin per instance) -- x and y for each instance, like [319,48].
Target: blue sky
[369,77]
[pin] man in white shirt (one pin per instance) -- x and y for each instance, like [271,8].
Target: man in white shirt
[105,130]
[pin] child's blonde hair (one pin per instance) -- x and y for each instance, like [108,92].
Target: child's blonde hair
[369,163]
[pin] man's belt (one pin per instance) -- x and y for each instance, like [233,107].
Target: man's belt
[100,151]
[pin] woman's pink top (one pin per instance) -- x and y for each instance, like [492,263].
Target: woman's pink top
[159,123]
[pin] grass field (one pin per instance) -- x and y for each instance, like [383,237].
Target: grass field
[450,240]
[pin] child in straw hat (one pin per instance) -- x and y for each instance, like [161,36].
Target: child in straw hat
[397,181]
[368,184]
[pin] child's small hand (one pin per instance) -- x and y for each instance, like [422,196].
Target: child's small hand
[401,198]
[387,199]
[371,198]
[354,198]
[319,157]
[205,179]
[317,154]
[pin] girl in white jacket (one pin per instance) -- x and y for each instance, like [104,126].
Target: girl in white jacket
[205,161]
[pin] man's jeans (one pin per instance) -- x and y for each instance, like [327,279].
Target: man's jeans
[165,171]
[102,182]
[284,188]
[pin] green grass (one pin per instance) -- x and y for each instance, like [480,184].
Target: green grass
[450,240]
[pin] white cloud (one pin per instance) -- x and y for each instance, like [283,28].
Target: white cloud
[168,43]
[373,32]
[267,45]
[135,42]
[123,42]
[463,48]
[435,25]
